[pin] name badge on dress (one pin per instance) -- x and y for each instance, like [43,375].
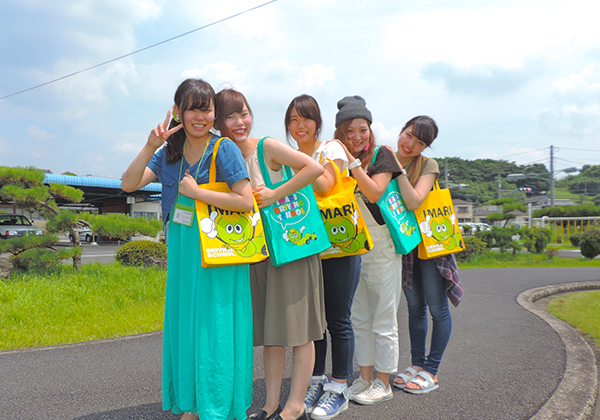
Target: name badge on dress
[183,214]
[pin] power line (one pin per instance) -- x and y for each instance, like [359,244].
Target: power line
[522,153]
[580,150]
[138,51]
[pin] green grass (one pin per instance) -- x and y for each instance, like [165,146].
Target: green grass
[580,309]
[498,260]
[563,193]
[101,301]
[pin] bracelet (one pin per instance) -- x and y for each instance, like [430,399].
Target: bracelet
[403,172]
[354,164]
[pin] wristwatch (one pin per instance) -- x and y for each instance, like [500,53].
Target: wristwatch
[354,164]
[403,172]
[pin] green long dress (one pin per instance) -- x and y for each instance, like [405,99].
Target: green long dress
[207,344]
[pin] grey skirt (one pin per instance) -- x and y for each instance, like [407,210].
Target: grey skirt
[287,302]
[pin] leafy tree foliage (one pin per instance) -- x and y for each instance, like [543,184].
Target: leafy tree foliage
[25,188]
[482,177]
[584,210]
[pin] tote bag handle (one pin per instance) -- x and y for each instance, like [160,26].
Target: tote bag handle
[212,173]
[287,171]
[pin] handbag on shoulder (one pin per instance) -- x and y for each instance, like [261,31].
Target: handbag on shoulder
[228,237]
[400,221]
[438,225]
[343,220]
[293,226]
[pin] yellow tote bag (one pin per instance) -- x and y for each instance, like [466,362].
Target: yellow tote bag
[228,237]
[343,220]
[438,225]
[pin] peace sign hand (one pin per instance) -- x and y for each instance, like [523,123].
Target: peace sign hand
[160,134]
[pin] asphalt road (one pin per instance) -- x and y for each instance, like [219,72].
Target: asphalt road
[502,362]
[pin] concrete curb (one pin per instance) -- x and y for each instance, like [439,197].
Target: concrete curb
[576,393]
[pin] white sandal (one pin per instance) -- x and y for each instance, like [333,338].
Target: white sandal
[425,382]
[406,378]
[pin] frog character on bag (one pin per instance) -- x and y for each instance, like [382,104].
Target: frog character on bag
[443,231]
[407,229]
[295,236]
[344,234]
[236,232]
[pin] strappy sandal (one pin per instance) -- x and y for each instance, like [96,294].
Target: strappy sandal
[425,382]
[406,378]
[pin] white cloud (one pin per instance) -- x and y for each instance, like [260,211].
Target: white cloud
[575,111]
[218,72]
[583,86]
[386,136]
[504,34]
[316,75]
[571,120]
[38,134]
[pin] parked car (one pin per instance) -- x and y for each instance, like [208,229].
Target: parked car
[474,227]
[85,234]
[13,225]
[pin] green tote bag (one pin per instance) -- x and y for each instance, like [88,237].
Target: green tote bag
[293,225]
[400,221]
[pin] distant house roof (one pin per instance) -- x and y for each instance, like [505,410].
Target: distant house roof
[88,181]
[544,200]
[459,201]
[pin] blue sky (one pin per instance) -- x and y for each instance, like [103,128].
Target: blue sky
[503,79]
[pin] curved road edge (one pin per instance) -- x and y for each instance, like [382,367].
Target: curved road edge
[576,393]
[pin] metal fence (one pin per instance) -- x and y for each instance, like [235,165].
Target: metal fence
[563,227]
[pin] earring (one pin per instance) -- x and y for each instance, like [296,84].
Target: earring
[366,147]
[175,116]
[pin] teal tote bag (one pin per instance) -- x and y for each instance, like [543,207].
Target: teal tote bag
[400,221]
[293,226]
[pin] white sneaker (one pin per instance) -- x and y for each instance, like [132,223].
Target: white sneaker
[359,385]
[378,392]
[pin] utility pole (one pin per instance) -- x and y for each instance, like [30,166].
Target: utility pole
[551,176]
[446,172]
[499,186]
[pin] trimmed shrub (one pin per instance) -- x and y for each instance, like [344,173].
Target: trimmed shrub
[535,240]
[473,247]
[590,243]
[135,252]
[576,239]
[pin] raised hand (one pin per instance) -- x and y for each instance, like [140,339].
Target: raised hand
[160,134]
[348,154]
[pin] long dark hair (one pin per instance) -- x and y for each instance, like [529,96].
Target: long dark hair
[228,101]
[191,94]
[307,107]
[425,129]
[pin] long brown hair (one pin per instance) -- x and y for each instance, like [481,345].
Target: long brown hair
[191,94]
[365,156]
[228,101]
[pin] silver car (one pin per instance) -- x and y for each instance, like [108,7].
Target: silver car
[12,225]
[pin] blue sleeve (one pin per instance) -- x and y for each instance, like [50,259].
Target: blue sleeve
[156,163]
[230,163]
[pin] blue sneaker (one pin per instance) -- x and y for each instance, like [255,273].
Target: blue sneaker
[313,395]
[330,405]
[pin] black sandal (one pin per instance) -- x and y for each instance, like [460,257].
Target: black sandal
[262,414]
